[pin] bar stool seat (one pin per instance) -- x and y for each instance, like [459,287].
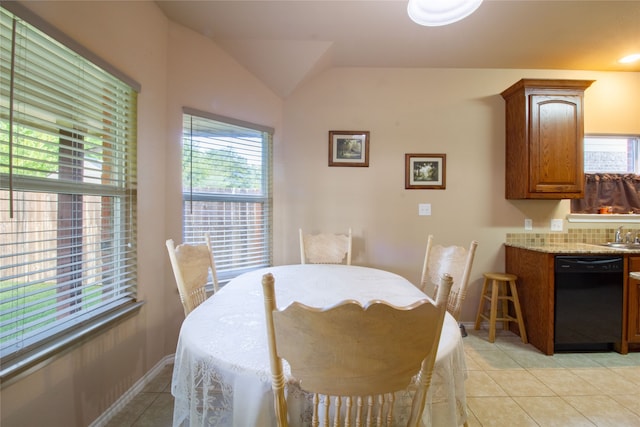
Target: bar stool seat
[499,291]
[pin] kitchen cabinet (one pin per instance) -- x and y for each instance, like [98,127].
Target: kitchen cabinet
[536,291]
[544,139]
[633,301]
[535,286]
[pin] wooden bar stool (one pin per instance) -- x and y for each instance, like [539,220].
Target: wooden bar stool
[498,292]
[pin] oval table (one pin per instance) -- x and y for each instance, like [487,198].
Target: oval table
[221,373]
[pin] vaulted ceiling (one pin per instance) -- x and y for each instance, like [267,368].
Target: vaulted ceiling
[285,42]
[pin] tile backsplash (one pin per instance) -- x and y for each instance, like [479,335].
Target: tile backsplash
[579,235]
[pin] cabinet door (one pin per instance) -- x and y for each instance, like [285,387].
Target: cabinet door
[535,287]
[633,327]
[556,144]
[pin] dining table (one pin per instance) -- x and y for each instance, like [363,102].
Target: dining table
[222,375]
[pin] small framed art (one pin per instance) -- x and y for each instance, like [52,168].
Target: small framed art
[425,171]
[348,148]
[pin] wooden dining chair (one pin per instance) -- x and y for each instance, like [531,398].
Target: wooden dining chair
[453,260]
[191,264]
[325,248]
[353,359]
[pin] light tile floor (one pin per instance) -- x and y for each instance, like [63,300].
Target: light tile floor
[510,384]
[152,407]
[514,384]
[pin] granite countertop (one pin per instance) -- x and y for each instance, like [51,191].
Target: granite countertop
[572,248]
[635,275]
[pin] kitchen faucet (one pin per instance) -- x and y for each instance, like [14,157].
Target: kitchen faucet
[618,238]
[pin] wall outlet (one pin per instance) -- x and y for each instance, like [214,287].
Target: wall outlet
[528,224]
[424,209]
[556,225]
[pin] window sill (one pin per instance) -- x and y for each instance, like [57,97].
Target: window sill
[609,218]
[16,368]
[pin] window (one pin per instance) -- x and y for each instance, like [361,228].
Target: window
[67,195]
[611,154]
[226,185]
[612,180]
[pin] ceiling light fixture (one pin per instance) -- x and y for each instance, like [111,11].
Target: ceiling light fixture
[630,58]
[435,13]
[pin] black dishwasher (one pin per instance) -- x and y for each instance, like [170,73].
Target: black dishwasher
[588,302]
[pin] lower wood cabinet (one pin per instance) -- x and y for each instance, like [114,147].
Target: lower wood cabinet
[535,291]
[633,301]
[536,285]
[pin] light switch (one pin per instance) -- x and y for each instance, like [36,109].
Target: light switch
[556,225]
[528,224]
[424,209]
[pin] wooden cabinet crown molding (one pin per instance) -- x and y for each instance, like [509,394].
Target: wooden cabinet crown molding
[548,84]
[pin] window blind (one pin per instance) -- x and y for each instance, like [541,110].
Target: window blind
[226,177]
[67,190]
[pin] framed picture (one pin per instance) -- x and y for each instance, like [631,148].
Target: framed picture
[348,148]
[425,171]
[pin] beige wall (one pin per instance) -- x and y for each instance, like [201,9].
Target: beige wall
[457,112]
[203,77]
[175,68]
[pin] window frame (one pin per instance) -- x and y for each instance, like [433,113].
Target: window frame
[227,266]
[86,323]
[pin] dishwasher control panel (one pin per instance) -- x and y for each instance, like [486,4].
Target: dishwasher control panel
[589,263]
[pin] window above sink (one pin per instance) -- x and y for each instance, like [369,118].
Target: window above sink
[612,180]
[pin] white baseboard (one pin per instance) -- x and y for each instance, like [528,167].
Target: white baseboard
[128,396]
[468,325]
[471,326]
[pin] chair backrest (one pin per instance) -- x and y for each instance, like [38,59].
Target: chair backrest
[191,264]
[453,260]
[325,248]
[350,357]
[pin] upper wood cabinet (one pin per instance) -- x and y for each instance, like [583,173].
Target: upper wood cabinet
[544,136]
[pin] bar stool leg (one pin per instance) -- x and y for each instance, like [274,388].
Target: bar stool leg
[481,304]
[516,304]
[494,310]
[505,305]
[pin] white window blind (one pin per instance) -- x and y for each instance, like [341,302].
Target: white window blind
[227,190]
[611,154]
[67,192]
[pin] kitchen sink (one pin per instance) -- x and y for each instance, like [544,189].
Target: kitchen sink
[621,245]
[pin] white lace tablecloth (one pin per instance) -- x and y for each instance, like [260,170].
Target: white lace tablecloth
[221,374]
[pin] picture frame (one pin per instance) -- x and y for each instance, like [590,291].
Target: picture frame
[349,148]
[425,171]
